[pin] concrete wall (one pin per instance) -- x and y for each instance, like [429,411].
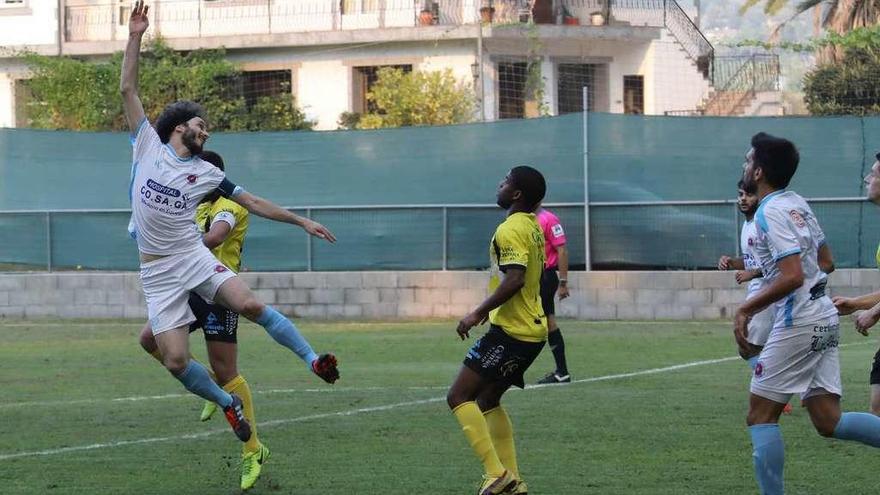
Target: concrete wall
[32,23]
[391,295]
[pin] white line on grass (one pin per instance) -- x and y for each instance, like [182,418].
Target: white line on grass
[351,412]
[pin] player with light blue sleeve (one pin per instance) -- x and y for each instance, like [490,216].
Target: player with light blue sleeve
[801,353]
[168,181]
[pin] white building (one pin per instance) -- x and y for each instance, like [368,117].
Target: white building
[636,56]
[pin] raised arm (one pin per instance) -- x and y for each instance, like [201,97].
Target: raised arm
[128,84]
[269,210]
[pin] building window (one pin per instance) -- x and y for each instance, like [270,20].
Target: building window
[572,78]
[512,89]
[363,79]
[634,95]
[253,85]
[12,3]
[359,6]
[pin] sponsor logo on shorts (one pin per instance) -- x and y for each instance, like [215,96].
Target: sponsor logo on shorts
[493,357]
[191,178]
[759,369]
[509,368]
[220,268]
[797,219]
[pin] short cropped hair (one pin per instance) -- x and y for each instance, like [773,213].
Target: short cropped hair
[778,157]
[531,183]
[175,114]
[752,188]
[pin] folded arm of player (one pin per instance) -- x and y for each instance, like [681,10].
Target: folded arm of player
[513,278]
[269,210]
[730,263]
[791,277]
[826,259]
[218,233]
[128,84]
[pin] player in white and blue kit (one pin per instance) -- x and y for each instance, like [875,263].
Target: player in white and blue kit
[801,354]
[168,180]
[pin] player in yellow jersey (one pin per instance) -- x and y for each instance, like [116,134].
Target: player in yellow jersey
[224,225]
[517,333]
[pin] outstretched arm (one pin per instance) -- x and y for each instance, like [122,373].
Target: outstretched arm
[267,209]
[128,84]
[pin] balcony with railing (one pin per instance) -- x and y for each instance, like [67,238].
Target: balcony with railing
[107,20]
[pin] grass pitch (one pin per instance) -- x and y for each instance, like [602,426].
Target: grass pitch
[85,411]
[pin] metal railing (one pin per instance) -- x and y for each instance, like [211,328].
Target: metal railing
[739,79]
[108,19]
[689,37]
[622,235]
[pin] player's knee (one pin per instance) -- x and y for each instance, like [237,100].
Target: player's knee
[826,428]
[455,399]
[252,308]
[488,403]
[147,341]
[176,364]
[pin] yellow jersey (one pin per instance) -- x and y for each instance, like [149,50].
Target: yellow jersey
[519,241]
[224,210]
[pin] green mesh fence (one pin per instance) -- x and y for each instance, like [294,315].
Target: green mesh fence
[408,175]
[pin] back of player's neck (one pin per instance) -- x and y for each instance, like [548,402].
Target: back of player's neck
[764,191]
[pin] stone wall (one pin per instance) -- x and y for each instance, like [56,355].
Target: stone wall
[392,295]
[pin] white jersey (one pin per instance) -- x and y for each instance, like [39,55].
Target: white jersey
[787,227]
[164,192]
[748,239]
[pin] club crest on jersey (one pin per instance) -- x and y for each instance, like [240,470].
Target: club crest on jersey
[797,218]
[220,268]
[192,178]
[557,230]
[751,242]
[759,369]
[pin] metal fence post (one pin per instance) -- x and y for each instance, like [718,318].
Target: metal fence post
[736,231]
[309,243]
[445,238]
[586,131]
[49,241]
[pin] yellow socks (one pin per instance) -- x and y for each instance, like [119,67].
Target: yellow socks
[477,432]
[501,433]
[239,387]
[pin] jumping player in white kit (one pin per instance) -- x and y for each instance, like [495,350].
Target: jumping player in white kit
[801,353]
[168,180]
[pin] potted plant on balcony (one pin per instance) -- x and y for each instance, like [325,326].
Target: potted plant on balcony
[426,16]
[487,12]
[568,18]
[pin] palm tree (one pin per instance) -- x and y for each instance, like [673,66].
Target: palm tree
[839,16]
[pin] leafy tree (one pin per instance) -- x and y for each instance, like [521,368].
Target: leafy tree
[418,98]
[851,86]
[74,94]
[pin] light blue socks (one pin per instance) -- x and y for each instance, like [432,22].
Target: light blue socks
[197,380]
[769,457]
[285,333]
[861,427]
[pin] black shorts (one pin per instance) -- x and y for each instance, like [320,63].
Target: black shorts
[549,285]
[875,370]
[499,357]
[218,323]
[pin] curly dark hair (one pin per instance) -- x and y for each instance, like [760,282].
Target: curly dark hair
[175,114]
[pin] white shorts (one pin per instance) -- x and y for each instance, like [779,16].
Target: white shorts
[760,326]
[168,281]
[799,360]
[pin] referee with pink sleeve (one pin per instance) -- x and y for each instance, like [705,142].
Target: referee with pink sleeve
[556,260]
